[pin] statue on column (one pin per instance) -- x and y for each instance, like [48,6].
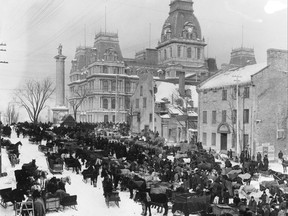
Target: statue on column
[60,49]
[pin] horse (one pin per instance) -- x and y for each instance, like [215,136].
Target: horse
[284,165]
[14,148]
[74,163]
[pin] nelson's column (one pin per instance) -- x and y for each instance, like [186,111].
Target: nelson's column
[60,109]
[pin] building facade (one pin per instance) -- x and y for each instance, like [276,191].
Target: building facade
[181,45]
[99,84]
[255,96]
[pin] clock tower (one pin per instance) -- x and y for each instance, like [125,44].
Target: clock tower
[181,47]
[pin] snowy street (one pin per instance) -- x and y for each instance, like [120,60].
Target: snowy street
[90,199]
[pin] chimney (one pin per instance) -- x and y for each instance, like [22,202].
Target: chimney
[181,76]
[277,59]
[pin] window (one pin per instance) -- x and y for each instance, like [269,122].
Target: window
[223,115]
[128,87]
[165,54]
[113,85]
[198,51]
[246,92]
[116,70]
[137,103]
[113,103]
[213,117]
[127,102]
[204,138]
[150,117]
[189,54]
[224,94]
[105,85]
[246,116]
[204,116]
[113,118]
[106,118]
[105,103]
[213,139]
[280,134]
[171,52]
[246,141]
[141,90]
[234,116]
[144,102]
[105,69]
[179,51]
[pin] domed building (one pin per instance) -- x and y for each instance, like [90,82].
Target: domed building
[181,47]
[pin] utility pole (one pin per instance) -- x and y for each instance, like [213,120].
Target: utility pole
[238,149]
[3,50]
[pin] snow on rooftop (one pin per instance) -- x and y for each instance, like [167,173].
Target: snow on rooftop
[166,90]
[228,78]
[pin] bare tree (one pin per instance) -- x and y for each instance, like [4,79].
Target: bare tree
[33,97]
[78,96]
[11,116]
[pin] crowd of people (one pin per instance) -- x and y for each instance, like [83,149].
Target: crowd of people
[197,172]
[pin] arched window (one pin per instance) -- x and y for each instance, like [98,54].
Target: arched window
[189,55]
[113,103]
[105,103]
[165,54]
[171,55]
[113,85]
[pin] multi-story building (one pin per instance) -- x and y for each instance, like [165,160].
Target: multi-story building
[181,46]
[99,82]
[255,97]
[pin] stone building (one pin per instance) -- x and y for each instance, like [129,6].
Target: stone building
[99,83]
[261,109]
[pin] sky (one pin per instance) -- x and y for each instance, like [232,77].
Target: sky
[33,29]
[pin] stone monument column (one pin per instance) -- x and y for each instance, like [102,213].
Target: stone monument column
[60,109]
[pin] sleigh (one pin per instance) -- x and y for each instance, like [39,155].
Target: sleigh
[189,203]
[224,209]
[54,167]
[112,197]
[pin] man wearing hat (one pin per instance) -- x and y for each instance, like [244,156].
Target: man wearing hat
[252,205]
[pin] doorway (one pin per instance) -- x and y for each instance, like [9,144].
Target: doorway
[223,141]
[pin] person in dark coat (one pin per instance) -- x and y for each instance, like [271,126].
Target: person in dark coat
[228,163]
[252,205]
[266,162]
[236,199]
[39,207]
[280,155]
[259,157]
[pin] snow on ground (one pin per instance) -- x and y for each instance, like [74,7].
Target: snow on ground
[90,199]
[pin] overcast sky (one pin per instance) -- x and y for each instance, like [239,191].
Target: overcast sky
[33,29]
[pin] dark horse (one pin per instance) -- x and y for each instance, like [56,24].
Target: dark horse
[14,148]
[149,199]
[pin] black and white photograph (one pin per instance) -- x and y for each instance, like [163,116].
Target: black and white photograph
[143,107]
